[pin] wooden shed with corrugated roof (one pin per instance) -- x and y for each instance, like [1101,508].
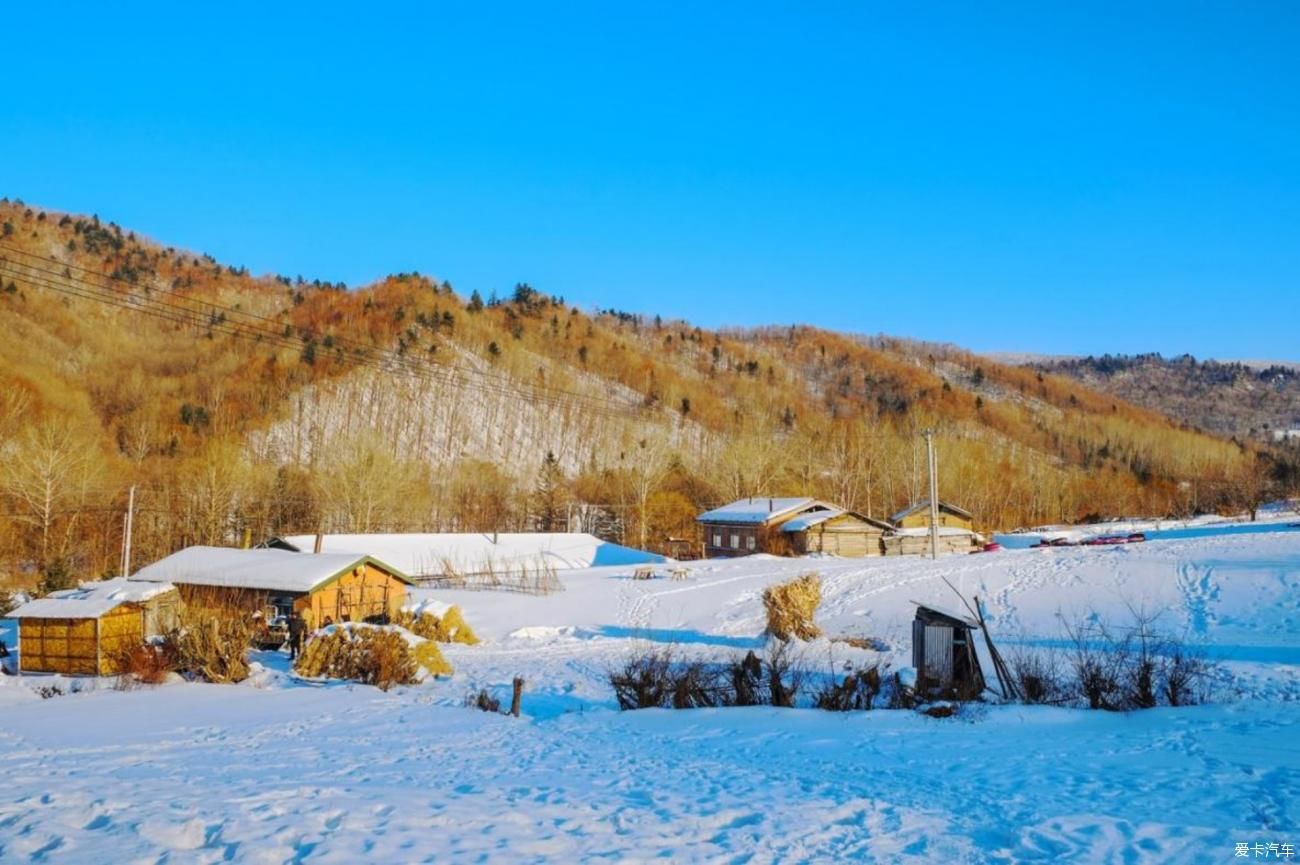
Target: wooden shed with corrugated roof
[87,631]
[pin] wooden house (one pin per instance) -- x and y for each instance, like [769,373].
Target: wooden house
[324,588]
[840,533]
[917,516]
[943,653]
[916,542]
[87,631]
[753,525]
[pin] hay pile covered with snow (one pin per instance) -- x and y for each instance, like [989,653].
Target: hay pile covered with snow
[380,655]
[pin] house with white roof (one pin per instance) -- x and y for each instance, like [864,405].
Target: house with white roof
[753,525]
[324,588]
[86,631]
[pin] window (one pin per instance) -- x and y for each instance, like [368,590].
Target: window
[751,542]
[735,541]
[717,539]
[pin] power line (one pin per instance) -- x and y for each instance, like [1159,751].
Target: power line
[238,323]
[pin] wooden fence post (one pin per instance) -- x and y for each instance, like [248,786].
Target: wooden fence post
[518,696]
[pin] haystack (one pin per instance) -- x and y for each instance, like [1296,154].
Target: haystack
[371,654]
[436,622]
[791,607]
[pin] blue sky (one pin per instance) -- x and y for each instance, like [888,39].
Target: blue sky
[1049,177]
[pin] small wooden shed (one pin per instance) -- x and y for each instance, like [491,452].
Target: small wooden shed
[943,653]
[86,631]
[840,533]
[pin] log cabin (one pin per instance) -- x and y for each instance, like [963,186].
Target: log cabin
[837,532]
[753,525]
[917,516]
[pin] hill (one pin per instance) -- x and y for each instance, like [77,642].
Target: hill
[244,406]
[1235,398]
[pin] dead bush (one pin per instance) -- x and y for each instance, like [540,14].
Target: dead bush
[150,663]
[373,655]
[483,701]
[784,676]
[746,678]
[644,682]
[857,691]
[1138,669]
[213,635]
[791,608]
[1186,677]
[901,695]
[1039,676]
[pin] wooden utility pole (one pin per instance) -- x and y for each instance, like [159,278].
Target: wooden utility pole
[934,492]
[126,532]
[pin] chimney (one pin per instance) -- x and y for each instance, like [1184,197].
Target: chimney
[320,539]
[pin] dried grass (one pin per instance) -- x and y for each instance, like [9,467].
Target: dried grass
[149,663]
[214,634]
[791,607]
[379,656]
[448,628]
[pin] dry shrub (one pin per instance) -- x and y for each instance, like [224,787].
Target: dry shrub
[943,710]
[784,677]
[746,677]
[150,663]
[483,701]
[214,633]
[791,607]
[654,681]
[1038,676]
[857,692]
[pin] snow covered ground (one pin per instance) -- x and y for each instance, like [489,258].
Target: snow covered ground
[278,771]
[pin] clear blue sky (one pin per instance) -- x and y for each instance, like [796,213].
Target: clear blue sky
[1055,177]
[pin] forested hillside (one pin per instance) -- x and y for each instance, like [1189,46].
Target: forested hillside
[244,406]
[1257,400]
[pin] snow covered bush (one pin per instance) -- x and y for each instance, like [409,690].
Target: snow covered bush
[1137,669]
[379,655]
[791,607]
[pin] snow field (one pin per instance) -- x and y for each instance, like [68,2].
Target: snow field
[287,772]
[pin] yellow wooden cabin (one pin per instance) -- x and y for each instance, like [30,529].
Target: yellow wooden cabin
[87,631]
[917,516]
[325,588]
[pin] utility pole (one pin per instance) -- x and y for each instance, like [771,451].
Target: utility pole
[126,533]
[934,492]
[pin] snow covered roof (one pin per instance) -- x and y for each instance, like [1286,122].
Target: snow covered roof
[91,600]
[924,504]
[808,520]
[426,554]
[760,509]
[816,518]
[271,570]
